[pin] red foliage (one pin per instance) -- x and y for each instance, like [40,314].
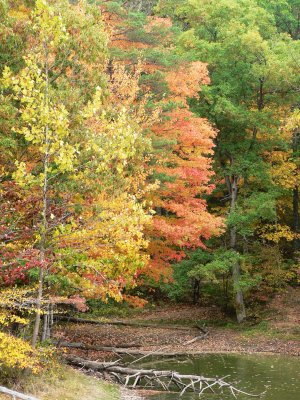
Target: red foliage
[184,222]
[78,302]
[18,227]
[14,266]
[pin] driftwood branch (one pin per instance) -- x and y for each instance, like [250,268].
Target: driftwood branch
[167,380]
[16,395]
[200,337]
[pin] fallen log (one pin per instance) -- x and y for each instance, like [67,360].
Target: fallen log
[122,348]
[130,351]
[124,323]
[167,380]
[16,395]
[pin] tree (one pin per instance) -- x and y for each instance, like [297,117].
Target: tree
[253,80]
[84,165]
[183,143]
[45,125]
[286,14]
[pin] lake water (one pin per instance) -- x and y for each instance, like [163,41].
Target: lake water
[278,375]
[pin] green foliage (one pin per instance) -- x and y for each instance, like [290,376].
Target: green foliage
[286,15]
[219,266]
[252,51]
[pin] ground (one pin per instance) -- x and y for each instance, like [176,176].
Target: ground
[171,327]
[166,329]
[285,309]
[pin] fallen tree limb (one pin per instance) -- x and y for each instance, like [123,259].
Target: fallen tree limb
[167,380]
[200,337]
[124,323]
[16,395]
[120,350]
[79,345]
[110,349]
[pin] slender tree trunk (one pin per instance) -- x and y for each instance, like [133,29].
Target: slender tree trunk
[44,227]
[236,268]
[44,222]
[296,242]
[196,291]
[38,309]
[45,326]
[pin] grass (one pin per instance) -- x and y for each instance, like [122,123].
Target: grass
[66,383]
[263,329]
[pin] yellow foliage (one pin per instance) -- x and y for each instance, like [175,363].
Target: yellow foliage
[13,297]
[112,241]
[284,169]
[18,354]
[293,122]
[275,233]
[6,318]
[13,303]
[21,13]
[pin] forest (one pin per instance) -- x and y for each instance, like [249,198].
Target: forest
[149,195]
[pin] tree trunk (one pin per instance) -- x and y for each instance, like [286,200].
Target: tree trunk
[196,291]
[296,242]
[124,323]
[44,222]
[46,325]
[236,268]
[39,299]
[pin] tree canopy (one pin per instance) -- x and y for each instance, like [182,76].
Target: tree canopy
[146,147]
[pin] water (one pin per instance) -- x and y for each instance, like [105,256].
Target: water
[278,375]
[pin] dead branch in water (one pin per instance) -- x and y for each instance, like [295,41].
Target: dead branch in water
[150,378]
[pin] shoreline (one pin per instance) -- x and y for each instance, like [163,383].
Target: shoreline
[102,341]
[222,352]
[172,331]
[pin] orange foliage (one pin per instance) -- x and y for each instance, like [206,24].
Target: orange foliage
[182,220]
[186,81]
[135,301]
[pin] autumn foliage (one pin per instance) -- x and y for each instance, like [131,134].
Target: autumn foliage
[183,144]
[143,151]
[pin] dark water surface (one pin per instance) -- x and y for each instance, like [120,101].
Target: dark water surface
[278,375]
